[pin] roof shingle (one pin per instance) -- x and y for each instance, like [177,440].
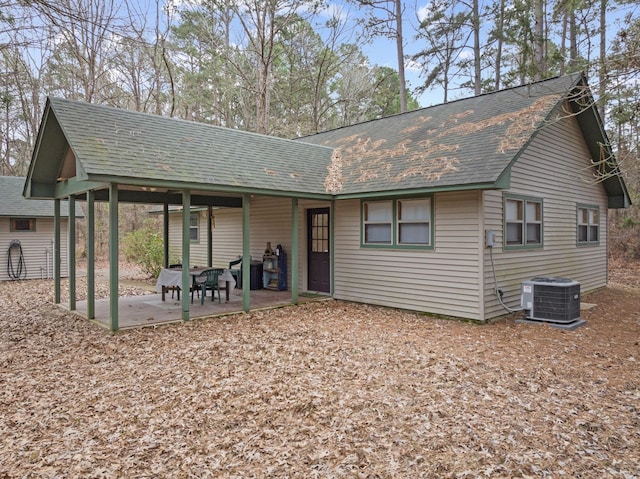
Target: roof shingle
[464,142]
[120,143]
[12,203]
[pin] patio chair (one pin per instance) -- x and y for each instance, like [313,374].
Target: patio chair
[207,280]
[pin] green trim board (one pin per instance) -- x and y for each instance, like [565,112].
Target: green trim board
[294,250]
[91,256]
[186,254]
[71,242]
[246,251]
[57,247]
[114,250]
[402,193]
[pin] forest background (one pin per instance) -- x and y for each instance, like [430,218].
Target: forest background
[294,67]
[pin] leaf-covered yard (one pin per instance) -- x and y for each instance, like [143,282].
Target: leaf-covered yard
[326,389]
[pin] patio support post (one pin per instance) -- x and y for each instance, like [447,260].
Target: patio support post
[209,237]
[186,261]
[56,250]
[246,252]
[72,253]
[91,255]
[332,248]
[165,234]
[294,250]
[113,257]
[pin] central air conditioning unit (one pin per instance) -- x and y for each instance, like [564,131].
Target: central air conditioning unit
[552,300]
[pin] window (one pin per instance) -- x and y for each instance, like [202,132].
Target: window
[23,224]
[588,224]
[413,221]
[397,223]
[377,217]
[194,220]
[523,222]
[320,233]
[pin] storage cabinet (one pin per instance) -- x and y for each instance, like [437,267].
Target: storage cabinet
[274,270]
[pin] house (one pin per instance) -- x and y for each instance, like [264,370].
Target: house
[419,211]
[27,233]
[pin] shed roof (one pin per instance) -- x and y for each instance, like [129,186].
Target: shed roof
[13,204]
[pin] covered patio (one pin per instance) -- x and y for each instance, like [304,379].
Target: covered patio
[92,153]
[149,309]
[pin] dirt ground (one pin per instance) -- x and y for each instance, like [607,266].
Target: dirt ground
[328,390]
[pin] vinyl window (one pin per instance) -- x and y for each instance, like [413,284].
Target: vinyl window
[402,223]
[588,225]
[414,221]
[194,227]
[377,221]
[523,222]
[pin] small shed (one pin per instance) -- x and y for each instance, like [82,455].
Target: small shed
[27,233]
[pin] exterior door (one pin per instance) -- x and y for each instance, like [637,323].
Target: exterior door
[318,250]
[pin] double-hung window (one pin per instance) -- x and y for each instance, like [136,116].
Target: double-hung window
[588,225]
[378,222]
[414,221]
[523,224]
[402,223]
[194,220]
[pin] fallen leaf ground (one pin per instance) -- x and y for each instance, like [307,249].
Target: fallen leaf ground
[327,389]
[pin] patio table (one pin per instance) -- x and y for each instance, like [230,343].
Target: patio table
[173,278]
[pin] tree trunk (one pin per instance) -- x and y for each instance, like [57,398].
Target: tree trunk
[500,36]
[400,50]
[477,71]
[602,71]
[538,40]
[573,40]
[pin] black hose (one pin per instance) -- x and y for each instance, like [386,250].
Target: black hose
[19,272]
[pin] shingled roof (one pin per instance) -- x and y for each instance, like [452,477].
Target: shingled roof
[115,145]
[468,142]
[13,204]
[463,144]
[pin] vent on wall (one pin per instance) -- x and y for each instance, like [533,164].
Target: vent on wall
[552,300]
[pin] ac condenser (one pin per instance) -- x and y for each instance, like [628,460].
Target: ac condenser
[552,300]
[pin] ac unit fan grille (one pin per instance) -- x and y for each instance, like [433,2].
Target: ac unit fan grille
[556,303]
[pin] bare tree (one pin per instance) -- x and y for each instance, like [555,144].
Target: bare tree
[262,21]
[86,27]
